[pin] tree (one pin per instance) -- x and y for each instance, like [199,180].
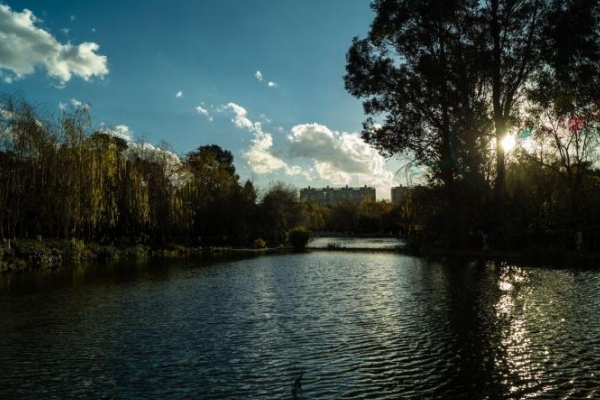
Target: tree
[211,185]
[441,79]
[417,69]
[280,211]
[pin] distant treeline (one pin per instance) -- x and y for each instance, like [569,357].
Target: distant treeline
[60,179]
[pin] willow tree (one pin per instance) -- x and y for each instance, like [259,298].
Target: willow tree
[27,154]
[104,169]
[210,185]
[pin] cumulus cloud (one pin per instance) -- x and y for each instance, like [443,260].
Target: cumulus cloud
[240,119]
[335,176]
[179,94]
[25,47]
[338,156]
[271,84]
[119,131]
[204,111]
[259,156]
[344,151]
[258,75]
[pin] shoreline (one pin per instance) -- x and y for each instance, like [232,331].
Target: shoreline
[30,255]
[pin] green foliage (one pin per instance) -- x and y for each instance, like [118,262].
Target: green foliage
[77,249]
[279,211]
[38,254]
[299,237]
[137,252]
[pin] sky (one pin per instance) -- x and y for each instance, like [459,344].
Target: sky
[261,78]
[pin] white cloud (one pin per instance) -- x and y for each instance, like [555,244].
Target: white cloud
[25,47]
[335,176]
[261,78]
[338,157]
[73,17]
[119,131]
[179,94]
[144,150]
[93,30]
[344,151]
[259,156]
[204,111]
[65,30]
[240,120]
[74,104]
[6,78]
[150,152]
[334,158]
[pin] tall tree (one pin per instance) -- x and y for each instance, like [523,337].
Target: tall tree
[442,78]
[211,184]
[419,72]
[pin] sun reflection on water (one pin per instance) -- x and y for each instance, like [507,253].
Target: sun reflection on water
[522,371]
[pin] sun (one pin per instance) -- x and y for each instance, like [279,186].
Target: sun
[508,143]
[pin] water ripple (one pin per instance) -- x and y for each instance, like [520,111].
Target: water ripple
[362,326]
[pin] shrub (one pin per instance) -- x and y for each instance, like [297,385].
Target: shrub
[76,249]
[299,237]
[108,253]
[260,244]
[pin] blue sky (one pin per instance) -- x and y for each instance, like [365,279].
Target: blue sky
[261,78]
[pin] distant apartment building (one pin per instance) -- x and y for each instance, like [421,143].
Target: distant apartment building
[400,194]
[331,196]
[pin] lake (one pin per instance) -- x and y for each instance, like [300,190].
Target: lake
[346,242]
[361,325]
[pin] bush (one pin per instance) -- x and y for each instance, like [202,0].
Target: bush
[260,244]
[76,249]
[299,237]
[108,253]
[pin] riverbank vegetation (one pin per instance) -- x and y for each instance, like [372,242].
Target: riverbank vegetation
[60,180]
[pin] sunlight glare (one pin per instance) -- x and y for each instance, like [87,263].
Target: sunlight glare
[508,143]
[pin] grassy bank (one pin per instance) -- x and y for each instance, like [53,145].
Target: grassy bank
[30,255]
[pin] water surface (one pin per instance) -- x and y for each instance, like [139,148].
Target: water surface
[362,325]
[344,242]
